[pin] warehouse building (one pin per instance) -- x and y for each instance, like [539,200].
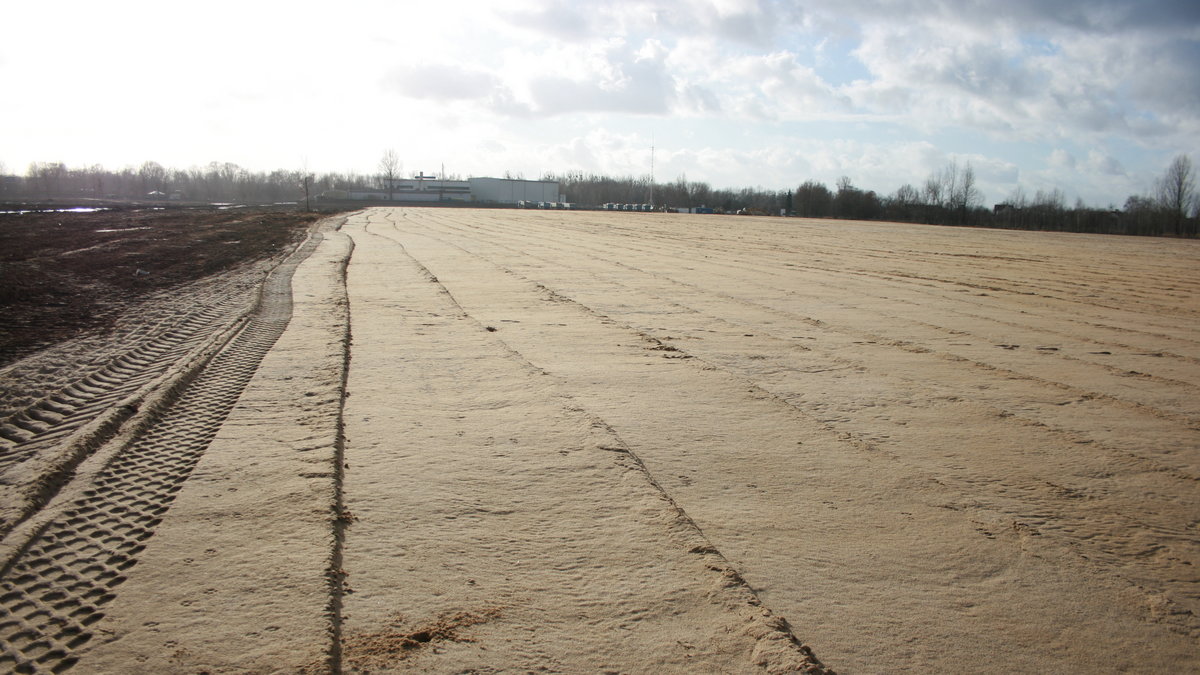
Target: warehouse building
[509,191]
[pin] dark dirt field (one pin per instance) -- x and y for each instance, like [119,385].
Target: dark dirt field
[63,273]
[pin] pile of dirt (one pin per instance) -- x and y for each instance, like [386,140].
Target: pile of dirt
[66,272]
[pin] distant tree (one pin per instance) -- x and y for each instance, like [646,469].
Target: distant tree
[94,176]
[935,190]
[907,195]
[1143,215]
[222,179]
[1017,199]
[964,193]
[389,170]
[813,200]
[1177,193]
[845,202]
[152,176]
[904,204]
[1138,204]
[853,202]
[48,176]
[1050,200]
[952,194]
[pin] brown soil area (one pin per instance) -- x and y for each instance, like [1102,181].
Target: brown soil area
[62,273]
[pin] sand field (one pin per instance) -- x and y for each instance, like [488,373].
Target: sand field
[494,441]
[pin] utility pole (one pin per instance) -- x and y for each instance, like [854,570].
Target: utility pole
[305,178]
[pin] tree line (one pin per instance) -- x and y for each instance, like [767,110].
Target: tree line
[950,196]
[214,182]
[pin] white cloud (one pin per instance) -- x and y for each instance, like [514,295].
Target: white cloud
[618,78]
[1103,163]
[693,99]
[1061,158]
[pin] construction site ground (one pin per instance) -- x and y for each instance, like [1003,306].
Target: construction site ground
[457,440]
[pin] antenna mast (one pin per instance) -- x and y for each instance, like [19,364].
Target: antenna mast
[651,172]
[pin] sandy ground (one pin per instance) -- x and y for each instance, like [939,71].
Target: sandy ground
[927,448]
[583,442]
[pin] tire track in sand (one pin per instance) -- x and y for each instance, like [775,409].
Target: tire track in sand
[56,586]
[41,424]
[57,433]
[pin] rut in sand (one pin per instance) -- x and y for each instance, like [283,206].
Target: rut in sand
[56,587]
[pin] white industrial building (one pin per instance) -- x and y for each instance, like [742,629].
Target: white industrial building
[481,190]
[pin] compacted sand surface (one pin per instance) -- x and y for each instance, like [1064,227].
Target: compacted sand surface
[925,447]
[493,441]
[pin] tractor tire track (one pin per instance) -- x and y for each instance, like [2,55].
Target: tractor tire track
[41,425]
[55,588]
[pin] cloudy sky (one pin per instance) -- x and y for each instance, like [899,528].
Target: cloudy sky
[1094,97]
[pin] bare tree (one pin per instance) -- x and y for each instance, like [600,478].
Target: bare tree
[389,170]
[1050,200]
[904,204]
[964,194]
[1017,199]
[48,175]
[953,190]
[935,192]
[907,195]
[1177,192]
[152,175]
